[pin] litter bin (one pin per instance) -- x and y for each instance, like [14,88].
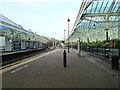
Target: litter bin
[115,62]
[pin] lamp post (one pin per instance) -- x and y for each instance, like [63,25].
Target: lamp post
[107,45]
[64,38]
[64,35]
[94,27]
[88,41]
[107,38]
[79,47]
[68,33]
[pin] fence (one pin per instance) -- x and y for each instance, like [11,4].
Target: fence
[101,50]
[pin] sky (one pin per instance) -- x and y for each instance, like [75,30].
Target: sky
[45,17]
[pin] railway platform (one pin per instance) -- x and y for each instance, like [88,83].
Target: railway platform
[47,71]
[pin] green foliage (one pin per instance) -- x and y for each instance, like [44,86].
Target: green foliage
[94,43]
[117,44]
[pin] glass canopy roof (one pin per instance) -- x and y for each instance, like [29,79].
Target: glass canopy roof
[94,18]
[4,19]
[8,28]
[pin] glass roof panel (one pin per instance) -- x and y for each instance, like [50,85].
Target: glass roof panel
[97,3]
[108,5]
[117,8]
[3,18]
[114,6]
[94,6]
[103,6]
[99,6]
[89,8]
[4,28]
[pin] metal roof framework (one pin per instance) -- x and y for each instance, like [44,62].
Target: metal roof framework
[12,30]
[94,17]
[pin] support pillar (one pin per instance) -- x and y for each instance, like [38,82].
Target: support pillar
[79,47]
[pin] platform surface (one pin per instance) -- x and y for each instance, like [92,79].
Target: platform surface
[48,72]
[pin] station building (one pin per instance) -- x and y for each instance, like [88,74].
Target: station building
[15,37]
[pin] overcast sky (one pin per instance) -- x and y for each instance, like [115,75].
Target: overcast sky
[46,17]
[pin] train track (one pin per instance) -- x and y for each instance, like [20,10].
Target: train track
[16,58]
